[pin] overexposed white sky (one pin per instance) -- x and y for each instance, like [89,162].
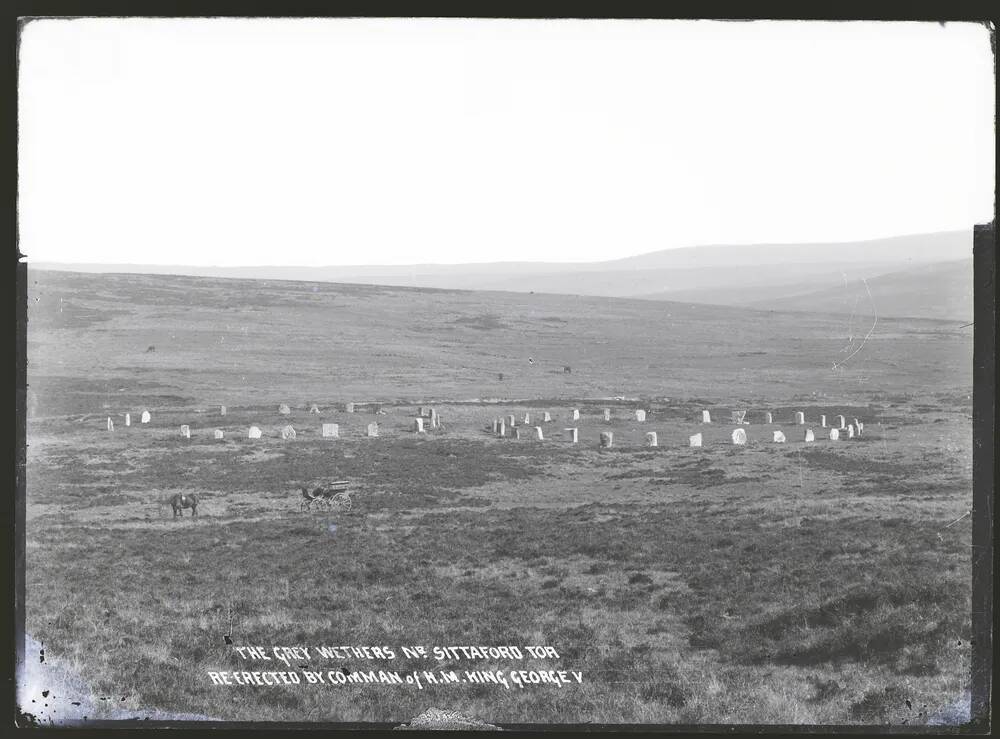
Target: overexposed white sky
[366,141]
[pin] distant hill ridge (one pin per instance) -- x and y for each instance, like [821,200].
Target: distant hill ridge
[776,276]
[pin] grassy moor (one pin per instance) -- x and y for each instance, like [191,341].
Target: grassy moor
[825,582]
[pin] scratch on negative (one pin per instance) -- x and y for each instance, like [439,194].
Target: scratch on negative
[870,331]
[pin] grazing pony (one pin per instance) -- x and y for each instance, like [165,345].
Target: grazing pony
[308,498]
[180,501]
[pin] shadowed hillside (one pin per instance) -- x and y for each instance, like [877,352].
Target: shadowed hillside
[929,291]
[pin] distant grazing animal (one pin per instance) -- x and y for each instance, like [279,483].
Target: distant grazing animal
[151,348]
[567,370]
[180,501]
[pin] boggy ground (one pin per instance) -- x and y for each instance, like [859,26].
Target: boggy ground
[776,583]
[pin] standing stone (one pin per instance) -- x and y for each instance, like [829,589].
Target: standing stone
[810,436]
[861,427]
[288,432]
[706,417]
[434,418]
[219,434]
[186,431]
[769,418]
[651,438]
[517,434]
[222,410]
[640,416]
[800,418]
[331,430]
[284,409]
[349,407]
[576,414]
[607,439]
[418,425]
[538,433]
[111,424]
[607,415]
[496,424]
[547,417]
[739,436]
[573,435]
[779,437]
[253,433]
[312,409]
[145,417]
[850,432]
[511,421]
[128,419]
[695,440]
[841,423]
[372,430]
[822,421]
[834,434]
[527,419]
[502,428]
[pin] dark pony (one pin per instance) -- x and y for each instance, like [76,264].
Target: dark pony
[180,501]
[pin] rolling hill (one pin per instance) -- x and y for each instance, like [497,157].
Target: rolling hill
[721,274]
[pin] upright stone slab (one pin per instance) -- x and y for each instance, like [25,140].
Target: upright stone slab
[434,418]
[284,409]
[418,425]
[128,419]
[253,433]
[496,425]
[538,433]
[640,415]
[222,410]
[739,436]
[768,418]
[841,422]
[822,421]
[372,430]
[517,434]
[800,418]
[502,428]
[288,432]
[186,431]
[547,417]
[331,430]
[850,432]
[145,417]
[651,438]
[607,415]
[695,440]
[607,439]
[834,434]
[779,437]
[810,436]
[706,417]
[111,424]
[527,419]
[861,427]
[573,434]
[511,421]
[349,407]
[219,434]
[576,414]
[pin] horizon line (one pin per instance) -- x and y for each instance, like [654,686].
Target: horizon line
[27,260]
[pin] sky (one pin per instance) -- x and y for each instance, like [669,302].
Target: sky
[380,141]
